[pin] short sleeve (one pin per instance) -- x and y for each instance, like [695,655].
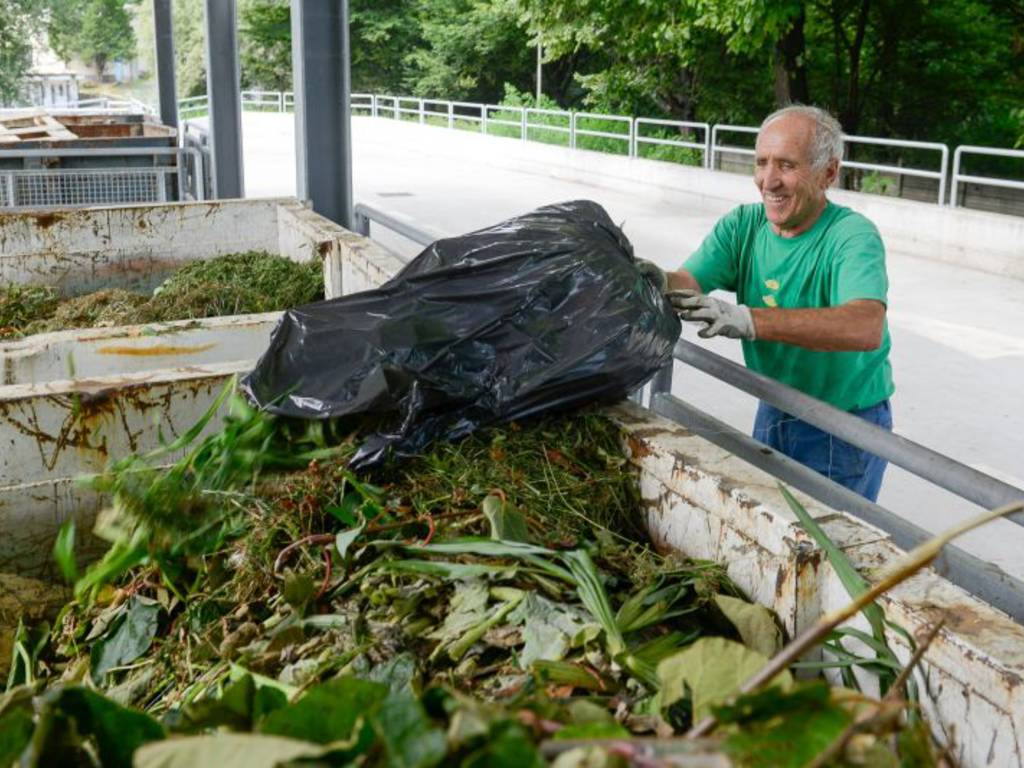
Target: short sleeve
[714,264]
[859,269]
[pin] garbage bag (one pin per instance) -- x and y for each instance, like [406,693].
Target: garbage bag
[541,312]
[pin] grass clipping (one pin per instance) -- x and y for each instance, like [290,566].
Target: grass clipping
[491,602]
[234,284]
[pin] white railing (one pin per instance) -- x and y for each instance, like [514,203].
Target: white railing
[992,181]
[900,170]
[680,125]
[592,117]
[537,124]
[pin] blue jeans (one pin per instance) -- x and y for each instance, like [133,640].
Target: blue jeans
[837,460]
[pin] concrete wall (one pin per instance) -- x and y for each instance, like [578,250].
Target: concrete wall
[990,242]
[704,502]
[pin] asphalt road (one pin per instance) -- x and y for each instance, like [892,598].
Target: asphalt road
[958,334]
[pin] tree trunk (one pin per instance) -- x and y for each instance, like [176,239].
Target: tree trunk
[850,118]
[790,72]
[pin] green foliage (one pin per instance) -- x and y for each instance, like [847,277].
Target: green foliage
[99,31]
[19,21]
[265,44]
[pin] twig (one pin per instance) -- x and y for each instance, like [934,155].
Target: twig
[836,747]
[902,569]
[327,574]
[314,539]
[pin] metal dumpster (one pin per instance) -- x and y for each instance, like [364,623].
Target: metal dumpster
[698,499]
[71,400]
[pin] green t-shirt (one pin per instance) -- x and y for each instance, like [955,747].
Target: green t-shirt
[840,259]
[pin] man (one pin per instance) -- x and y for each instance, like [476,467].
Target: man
[810,282]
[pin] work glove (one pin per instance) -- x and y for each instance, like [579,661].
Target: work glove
[654,273]
[721,318]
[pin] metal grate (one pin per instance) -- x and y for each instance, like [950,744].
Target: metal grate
[41,189]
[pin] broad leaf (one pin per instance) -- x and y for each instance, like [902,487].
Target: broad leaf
[409,737]
[15,732]
[328,712]
[345,539]
[71,715]
[507,523]
[226,750]
[713,669]
[64,551]
[129,637]
[754,622]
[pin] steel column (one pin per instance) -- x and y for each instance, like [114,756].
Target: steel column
[224,92]
[164,32]
[323,125]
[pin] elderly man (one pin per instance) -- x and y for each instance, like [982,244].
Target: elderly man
[810,282]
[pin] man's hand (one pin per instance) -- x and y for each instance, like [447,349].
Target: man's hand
[654,273]
[721,318]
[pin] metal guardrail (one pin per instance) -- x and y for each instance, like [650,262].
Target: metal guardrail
[452,113]
[982,579]
[992,181]
[681,125]
[41,187]
[365,214]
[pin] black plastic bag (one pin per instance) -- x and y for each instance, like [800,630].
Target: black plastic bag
[541,312]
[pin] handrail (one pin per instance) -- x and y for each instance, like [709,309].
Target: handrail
[992,181]
[364,214]
[949,474]
[704,146]
[901,170]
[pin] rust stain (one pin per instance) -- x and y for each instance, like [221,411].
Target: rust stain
[154,351]
[47,220]
[638,448]
[324,248]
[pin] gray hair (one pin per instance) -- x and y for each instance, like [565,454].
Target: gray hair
[828,134]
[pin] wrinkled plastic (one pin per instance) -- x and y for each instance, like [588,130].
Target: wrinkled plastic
[542,312]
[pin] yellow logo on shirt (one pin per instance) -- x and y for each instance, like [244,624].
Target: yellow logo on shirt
[771,285]
[769,301]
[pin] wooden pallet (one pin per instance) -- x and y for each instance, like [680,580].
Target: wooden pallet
[32,126]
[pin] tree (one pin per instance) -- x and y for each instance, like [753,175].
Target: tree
[99,31]
[20,20]
[265,44]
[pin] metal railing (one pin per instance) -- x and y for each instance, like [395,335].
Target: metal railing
[680,125]
[982,579]
[171,174]
[900,170]
[531,124]
[992,181]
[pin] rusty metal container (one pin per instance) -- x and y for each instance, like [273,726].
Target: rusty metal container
[698,500]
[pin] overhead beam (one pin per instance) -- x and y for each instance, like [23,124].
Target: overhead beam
[225,103]
[164,32]
[323,125]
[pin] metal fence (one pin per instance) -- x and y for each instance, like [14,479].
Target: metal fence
[631,136]
[982,579]
[124,175]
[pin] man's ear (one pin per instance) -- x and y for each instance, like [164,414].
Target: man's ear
[831,172]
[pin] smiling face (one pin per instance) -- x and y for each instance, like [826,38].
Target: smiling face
[793,190]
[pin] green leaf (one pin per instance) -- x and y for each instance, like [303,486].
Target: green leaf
[594,597]
[241,705]
[398,673]
[15,733]
[74,713]
[226,750]
[328,712]
[64,551]
[129,637]
[298,590]
[507,523]
[508,745]
[788,741]
[409,737]
[344,539]
[754,622]
[593,731]
[713,669]
[550,629]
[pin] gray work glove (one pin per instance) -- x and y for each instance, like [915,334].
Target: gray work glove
[654,273]
[722,318]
